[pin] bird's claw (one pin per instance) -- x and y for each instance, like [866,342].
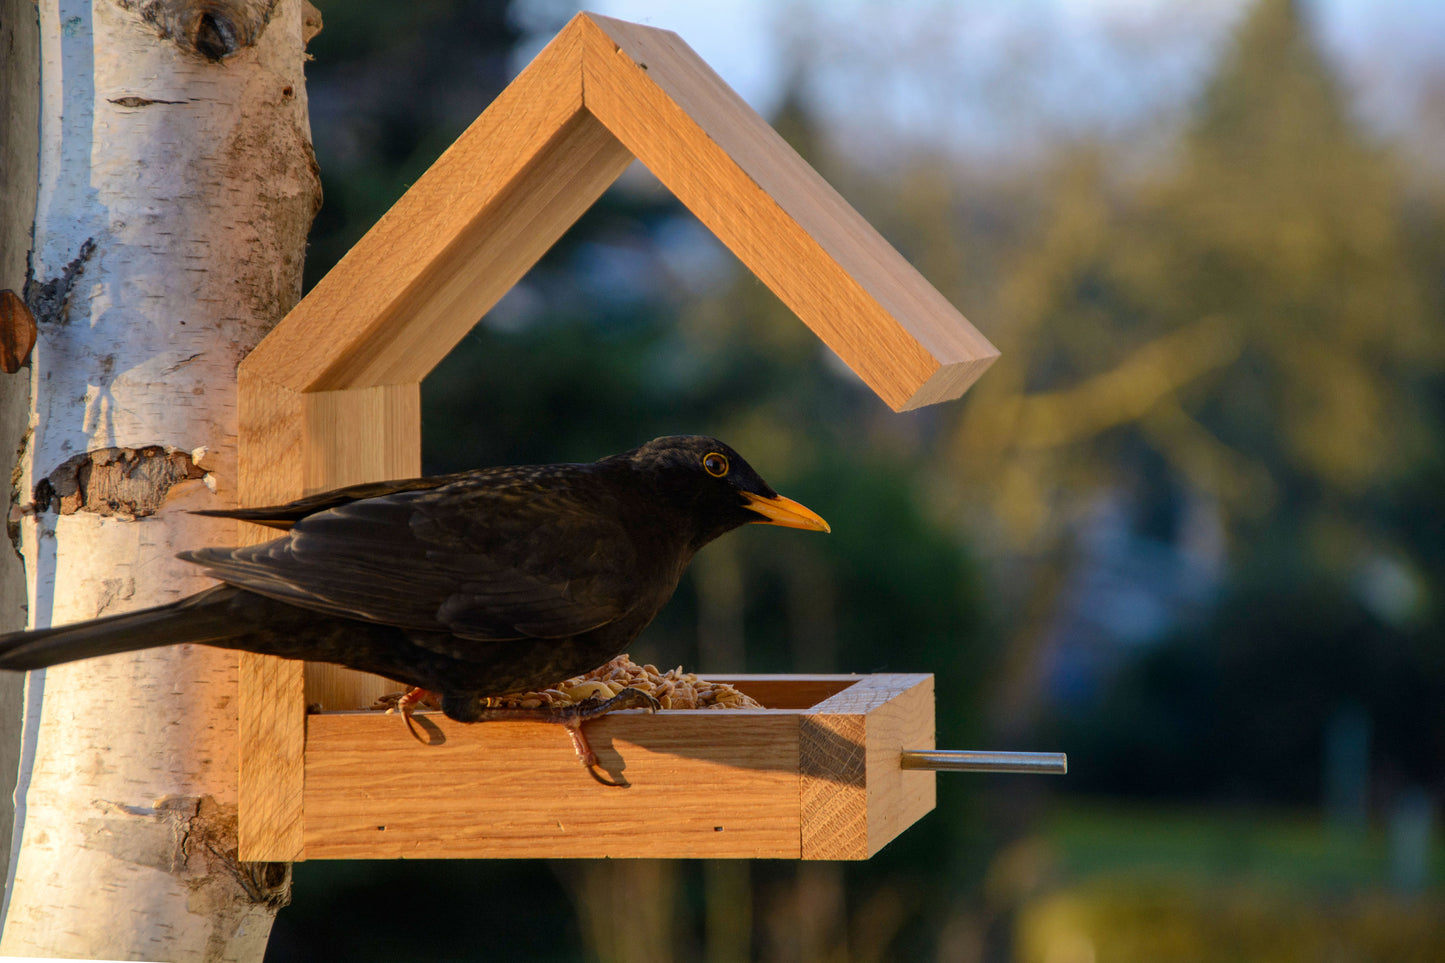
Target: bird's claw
[406,703]
[593,708]
[628,698]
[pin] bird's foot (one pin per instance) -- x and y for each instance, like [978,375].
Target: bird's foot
[406,703]
[593,708]
[628,698]
[572,717]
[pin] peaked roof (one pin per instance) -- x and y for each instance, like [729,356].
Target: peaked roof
[601,93]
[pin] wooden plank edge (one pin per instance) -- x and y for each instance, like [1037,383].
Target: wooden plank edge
[898,798]
[871,691]
[272,747]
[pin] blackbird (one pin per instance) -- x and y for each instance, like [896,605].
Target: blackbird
[471,585]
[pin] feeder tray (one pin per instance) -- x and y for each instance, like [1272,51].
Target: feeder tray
[814,776]
[331,397]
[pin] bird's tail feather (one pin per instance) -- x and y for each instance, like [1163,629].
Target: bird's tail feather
[198,618]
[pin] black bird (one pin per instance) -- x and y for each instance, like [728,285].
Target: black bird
[471,585]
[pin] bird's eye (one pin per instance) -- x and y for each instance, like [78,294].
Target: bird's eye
[716,463]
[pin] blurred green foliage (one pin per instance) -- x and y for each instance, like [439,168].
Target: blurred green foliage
[1188,522]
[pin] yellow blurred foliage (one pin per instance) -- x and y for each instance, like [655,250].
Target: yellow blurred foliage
[1142,921]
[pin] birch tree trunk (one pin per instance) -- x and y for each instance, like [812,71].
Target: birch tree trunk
[177,186]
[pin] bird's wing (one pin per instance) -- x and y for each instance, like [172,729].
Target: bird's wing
[488,561]
[284,516]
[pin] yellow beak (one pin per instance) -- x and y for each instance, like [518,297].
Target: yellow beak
[785,512]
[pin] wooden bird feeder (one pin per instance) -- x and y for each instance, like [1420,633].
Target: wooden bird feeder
[332,397]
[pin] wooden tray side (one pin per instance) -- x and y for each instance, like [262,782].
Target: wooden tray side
[701,784]
[833,796]
[815,783]
[788,691]
[898,798]
[855,796]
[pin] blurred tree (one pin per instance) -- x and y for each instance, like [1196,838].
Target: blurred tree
[1284,222]
[1251,324]
[1286,225]
[390,86]
[1255,334]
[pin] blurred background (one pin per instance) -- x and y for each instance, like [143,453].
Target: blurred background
[1188,529]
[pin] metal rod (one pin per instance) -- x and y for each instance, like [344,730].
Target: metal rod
[963,760]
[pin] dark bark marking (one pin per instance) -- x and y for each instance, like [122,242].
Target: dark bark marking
[12,521]
[214,29]
[49,301]
[142,101]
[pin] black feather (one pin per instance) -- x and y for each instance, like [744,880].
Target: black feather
[473,584]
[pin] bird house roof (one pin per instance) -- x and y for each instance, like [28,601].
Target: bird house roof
[602,93]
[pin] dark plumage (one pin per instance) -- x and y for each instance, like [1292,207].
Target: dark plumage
[469,585]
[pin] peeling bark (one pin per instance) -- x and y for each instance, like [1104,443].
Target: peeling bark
[17,332]
[125,482]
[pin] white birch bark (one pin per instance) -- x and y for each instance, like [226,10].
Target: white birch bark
[177,186]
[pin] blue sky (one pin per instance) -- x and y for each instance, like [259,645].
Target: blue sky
[992,76]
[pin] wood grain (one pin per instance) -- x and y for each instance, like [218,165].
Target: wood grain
[271,425]
[272,707]
[357,435]
[897,798]
[855,796]
[272,751]
[833,795]
[712,784]
[360,435]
